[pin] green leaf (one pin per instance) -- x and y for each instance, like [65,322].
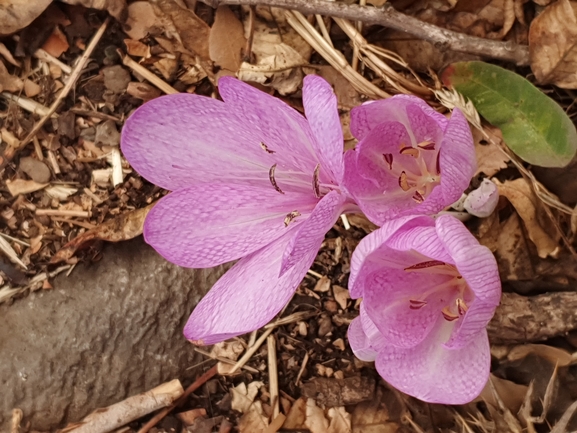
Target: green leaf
[533,125]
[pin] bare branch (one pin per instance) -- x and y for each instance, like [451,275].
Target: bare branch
[389,17]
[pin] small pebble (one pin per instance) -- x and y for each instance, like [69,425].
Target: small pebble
[107,134]
[37,170]
[116,78]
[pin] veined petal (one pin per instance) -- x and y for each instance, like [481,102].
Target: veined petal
[311,232]
[359,342]
[209,224]
[365,117]
[435,374]
[367,246]
[320,104]
[282,128]
[248,296]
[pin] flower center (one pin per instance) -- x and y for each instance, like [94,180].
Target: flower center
[454,290]
[419,179]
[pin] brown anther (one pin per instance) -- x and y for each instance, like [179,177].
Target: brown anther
[423,265]
[449,315]
[265,148]
[418,197]
[403,182]
[291,216]
[462,307]
[415,304]
[389,159]
[438,164]
[411,151]
[316,185]
[273,180]
[427,145]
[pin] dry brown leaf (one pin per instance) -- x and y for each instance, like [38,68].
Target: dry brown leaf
[141,18]
[340,420]
[297,415]
[21,186]
[227,349]
[9,83]
[116,8]
[554,355]
[253,419]
[56,44]
[347,96]
[121,228]
[490,159]
[553,45]
[520,195]
[17,14]
[374,416]
[315,418]
[243,396]
[226,39]
[512,395]
[512,252]
[31,89]
[137,48]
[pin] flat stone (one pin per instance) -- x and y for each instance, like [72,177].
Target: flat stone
[37,170]
[110,330]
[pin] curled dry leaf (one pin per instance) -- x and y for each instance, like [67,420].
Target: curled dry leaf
[121,228]
[226,39]
[315,420]
[553,45]
[554,355]
[116,8]
[511,393]
[490,158]
[253,419]
[520,195]
[17,14]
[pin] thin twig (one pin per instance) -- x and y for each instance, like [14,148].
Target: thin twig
[273,376]
[193,387]
[389,17]
[149,76]
[10,152]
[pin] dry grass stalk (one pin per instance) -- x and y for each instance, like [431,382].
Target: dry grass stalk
[119,414]
[63,213]
[17,416]
[335,58]
[302,369]
[273,376]
[147,75]
[40,54]
[7,249]
[76,72]
[29,105]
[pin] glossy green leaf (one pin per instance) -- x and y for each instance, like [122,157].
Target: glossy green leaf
[533,125]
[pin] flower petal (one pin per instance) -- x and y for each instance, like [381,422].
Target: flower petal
[478,267]
[320,103]
[435,374]
[311,232]
[210,224]
[482,201]
[365,117]
[248,296]
[359,342]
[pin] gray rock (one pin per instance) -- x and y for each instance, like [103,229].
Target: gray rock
[110,330]
[116,78]
[37,170]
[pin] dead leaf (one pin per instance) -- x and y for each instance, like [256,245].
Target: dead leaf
[490,159]
[253,419]
[553,45]
[8,56]
[21,186]
[190,416]
[243,395]
[116,8]
[31,89]
[340,420]
[347,96]
[227,349]
[141,18]
[512,252]
[123,227]
[554,355]
[511,394]
[315,418]
[137,48]
[520,195]
[226,39]
[9,83]
[374,416]
[56,44]
[297,415]
[17,14]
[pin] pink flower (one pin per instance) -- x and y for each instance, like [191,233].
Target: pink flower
[252,179]
[410,160]
[429,289]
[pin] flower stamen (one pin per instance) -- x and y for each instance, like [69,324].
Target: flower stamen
[403,182]
[427,264]
[462,307]
[418,197]
[411,151]
[273,180]
[416,304]
[389,159]
[427,145]
[316,185]
[291,216]
[449,315]
[265,148]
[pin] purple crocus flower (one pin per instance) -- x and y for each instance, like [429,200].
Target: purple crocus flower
[409,160]
[429,289]
[251,179]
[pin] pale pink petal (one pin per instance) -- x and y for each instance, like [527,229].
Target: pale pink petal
[387,297]
[366,247]
[365,117]
[420,235]
[435,374]
[320,104]
[248,296]
[209,224]
[478,267]
[311,232]
[360,343]
[482,201]
[282,128]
